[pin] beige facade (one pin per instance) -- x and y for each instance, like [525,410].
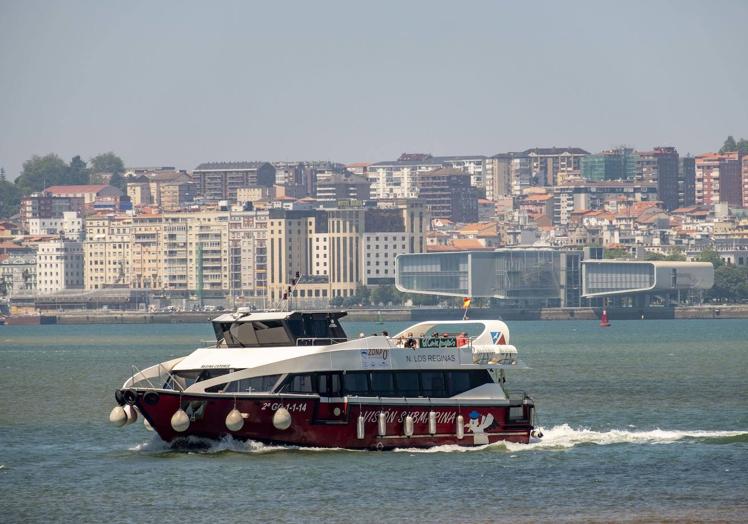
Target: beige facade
[334,251]
[106,252]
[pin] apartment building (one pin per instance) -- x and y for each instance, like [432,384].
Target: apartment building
[220,180]
[248,232]
[339,186]
[448,193]
[575,196]
[69,226]
[107,252]
[718,179]
[334,251]
[59,266]
[550,166]
[661,167]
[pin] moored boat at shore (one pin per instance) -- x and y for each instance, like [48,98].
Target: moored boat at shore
[294,377]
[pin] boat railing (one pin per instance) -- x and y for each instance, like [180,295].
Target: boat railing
[163,374]
[319,341]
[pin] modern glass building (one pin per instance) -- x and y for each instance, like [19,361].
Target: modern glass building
[615,164]
[542,277]
[548,277]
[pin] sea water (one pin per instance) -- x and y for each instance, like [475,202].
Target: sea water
[646,420]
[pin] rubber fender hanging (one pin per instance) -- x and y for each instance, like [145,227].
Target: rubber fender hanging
[151,398]
[119,397]
[130,396]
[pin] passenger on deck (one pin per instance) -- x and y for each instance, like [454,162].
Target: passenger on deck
[462,339]
[410,342]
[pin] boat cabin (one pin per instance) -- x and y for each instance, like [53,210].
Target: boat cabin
[279,328]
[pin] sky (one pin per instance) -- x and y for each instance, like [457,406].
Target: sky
[183,82]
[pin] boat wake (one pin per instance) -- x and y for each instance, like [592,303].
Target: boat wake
[563,437]
[559,437]
[225,445]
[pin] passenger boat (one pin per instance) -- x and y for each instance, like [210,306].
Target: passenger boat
[294,377]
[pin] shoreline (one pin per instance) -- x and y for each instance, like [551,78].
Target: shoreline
[405,314]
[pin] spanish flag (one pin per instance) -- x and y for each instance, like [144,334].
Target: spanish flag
[466,302]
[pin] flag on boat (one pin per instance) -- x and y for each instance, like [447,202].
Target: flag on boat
[466,302]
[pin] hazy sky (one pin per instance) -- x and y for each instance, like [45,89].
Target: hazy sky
[179,83]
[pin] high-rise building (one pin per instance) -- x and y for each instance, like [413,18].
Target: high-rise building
[550,166]
[718,179]
[661,168]
[613,164]
[106,252]
[499,178]
[687,181]
[338,186]
[448,193]
[220,180]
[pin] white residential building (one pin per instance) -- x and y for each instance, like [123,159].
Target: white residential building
[59,266]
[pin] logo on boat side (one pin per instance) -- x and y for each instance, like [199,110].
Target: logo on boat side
[498,337]
[375,358]
[477,425]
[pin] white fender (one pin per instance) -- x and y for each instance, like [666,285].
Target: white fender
[282,419]
[408,426]
[180,421]
[360,428]
[382,424]
[132,413]
[460,429]
[117,416]
[234,420]
[432,423]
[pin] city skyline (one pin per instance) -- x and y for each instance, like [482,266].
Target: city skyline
[185,85]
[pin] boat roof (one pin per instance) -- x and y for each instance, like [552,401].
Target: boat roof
[251,316]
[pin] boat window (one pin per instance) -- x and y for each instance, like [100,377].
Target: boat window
[256,384]
[242,334]
[433,384]
[356,383]
[407,383]
[271,333]
[462,381]
[382,383]
[329,384]
[252,334]
[298,384]
[208,374]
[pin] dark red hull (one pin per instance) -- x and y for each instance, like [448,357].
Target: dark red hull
[322,424]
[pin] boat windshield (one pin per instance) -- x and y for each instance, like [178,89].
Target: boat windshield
[296,329]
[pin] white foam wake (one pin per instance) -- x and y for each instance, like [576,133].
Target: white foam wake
[556,438]
[226,444]
[564,437]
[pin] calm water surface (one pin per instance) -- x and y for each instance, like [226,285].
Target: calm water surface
[647,420]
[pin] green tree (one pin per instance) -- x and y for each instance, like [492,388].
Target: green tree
[729,146]
[10,198]
[42,171]
[676,256]
[743,146]
[78,171]
[730,283]
[383,295]
[710,255]
[107,163]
